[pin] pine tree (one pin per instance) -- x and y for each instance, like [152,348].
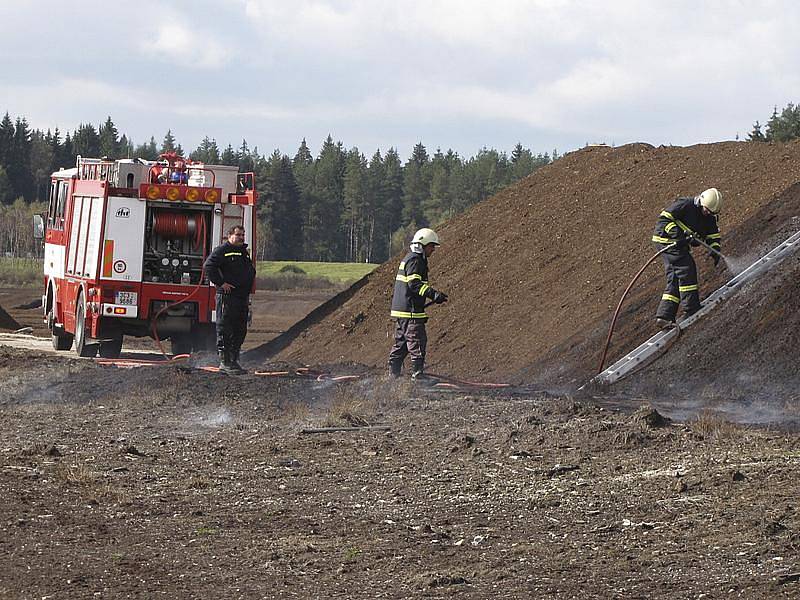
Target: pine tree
[375,192]
[6,140]
[86,141]
[147,151]
[125,147]
[207,152]
[168,145]
[280,213]
[67,152]
[18,169]
[355,214]
[244,158]
[6,190]
[393,202]
[324,240]
[109,140]
[41,165]
[229,157]
[416,186]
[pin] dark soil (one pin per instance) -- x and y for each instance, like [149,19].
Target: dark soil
[171,481]
[165,482]
[535,273]
[7,321]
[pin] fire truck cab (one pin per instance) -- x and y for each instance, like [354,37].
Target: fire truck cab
[125,242]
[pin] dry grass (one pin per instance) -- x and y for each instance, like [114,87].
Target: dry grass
[710,425]
[297,412]
[77,474]
[350,406]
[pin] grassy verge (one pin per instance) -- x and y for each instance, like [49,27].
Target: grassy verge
[21,272]
[272,275]
[337,273]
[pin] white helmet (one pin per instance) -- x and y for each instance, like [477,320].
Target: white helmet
[425,236]
[712,200]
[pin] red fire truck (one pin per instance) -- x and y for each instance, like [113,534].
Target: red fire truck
[125,242]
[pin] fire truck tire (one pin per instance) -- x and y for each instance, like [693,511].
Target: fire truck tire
[204,338]
[181,344]
[62,342]
[82,347]
[111,348]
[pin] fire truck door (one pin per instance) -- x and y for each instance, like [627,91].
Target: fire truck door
[123,246]
[87,220]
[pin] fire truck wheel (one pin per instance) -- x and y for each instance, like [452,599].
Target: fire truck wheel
[181,344]
[204,338]
[62,342]
[82,347]
[111,348]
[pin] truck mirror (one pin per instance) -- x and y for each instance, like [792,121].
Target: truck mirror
[38,227]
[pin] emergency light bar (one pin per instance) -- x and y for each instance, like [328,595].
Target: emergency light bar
[177,193]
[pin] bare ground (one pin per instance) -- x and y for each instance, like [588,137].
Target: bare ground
[167,482]
[176,482]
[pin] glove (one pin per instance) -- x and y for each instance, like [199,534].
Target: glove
[715,257]
[439,297]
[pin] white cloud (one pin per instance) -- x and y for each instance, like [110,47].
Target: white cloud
[174,43]
[676,71]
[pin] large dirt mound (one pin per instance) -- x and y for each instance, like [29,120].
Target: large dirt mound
[742,357]
[535,272]
[7,321]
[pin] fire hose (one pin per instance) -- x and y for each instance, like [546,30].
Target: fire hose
[622,299]
[689,237]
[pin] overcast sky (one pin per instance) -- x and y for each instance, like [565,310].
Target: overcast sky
[458,74]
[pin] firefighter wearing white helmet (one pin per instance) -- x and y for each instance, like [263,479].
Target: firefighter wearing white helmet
[411,291]
[678,228]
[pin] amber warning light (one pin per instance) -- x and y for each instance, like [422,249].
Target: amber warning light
[176,193]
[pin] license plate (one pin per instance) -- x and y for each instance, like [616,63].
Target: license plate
[128,298]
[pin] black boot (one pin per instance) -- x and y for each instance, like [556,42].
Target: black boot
[395,368]
[237,368]
[225,362]
[417,372]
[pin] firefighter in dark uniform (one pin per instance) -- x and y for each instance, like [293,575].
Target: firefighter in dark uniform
[411,290]
[230,268]
[680,224]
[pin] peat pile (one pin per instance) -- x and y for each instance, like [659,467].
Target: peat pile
[742,357]
[7,321]
[535,272]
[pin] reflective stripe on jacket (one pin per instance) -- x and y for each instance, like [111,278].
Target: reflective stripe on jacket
[411,288]
[685,216]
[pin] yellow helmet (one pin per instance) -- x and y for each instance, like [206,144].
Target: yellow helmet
[425,236]
[711,199]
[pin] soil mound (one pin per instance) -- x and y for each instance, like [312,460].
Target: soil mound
[535,272]
[742,358]
[7,321]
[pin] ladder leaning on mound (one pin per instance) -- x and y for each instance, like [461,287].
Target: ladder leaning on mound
[657,344]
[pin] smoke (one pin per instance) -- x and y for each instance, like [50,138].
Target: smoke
[212,418]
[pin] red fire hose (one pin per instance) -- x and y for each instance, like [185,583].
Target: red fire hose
[628,289]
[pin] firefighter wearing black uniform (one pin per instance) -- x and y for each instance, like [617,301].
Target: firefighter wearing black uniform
[230,268]
[411,289]
[686,219]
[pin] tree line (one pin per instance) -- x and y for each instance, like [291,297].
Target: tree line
[782,126]
[339,205]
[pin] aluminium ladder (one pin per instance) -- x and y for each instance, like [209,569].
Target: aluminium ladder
[657,344]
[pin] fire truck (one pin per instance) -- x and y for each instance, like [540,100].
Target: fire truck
[125,242]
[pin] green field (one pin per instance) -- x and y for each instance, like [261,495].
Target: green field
[21,272]
[28,272]
[338,273]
